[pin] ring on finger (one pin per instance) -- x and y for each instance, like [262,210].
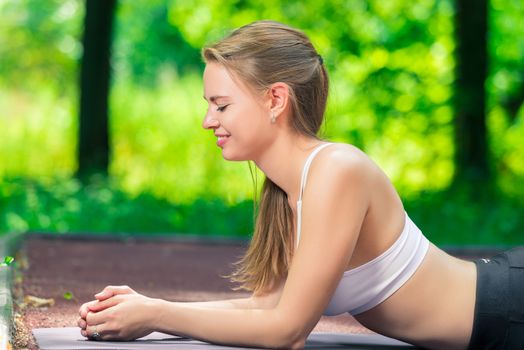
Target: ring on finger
[95,335]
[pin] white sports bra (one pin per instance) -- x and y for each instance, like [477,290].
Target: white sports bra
[366,286]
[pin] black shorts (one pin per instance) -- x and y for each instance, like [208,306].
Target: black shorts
[499,305]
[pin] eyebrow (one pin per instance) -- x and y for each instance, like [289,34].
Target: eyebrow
[214,98]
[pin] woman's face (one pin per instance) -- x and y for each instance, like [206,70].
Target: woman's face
[240,119]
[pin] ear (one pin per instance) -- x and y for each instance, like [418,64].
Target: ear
[279,98]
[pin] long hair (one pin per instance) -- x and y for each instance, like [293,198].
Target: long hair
[260,54]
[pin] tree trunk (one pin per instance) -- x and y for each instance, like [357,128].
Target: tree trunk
[93,143]
[471,140]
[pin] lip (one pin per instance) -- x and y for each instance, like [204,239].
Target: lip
[222,139]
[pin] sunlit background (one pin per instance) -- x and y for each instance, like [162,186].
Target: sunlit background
[391,65]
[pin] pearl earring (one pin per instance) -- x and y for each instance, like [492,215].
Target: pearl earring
[273,118]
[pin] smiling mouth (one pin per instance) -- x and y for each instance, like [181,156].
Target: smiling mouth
[221,139]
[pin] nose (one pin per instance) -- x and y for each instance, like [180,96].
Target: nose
[210,122]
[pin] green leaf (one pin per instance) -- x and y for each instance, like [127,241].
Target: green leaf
[68,296]
[8,260]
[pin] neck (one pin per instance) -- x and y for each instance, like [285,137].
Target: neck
[283,161]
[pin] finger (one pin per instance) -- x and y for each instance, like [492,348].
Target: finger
[98,306]
[84,309]
[102,311]
[111,291]
[94,332]
[81,323]
[102,305]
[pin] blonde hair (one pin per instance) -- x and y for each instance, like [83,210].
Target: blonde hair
[260,54]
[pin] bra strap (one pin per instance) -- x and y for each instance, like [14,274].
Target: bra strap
[305,170]
[303,181]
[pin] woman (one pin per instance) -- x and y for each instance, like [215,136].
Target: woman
[331,235]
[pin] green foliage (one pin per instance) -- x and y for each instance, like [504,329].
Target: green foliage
[391,70]
[160,146]
[146,45]
[63,205]
[66,207]
[40,43]
[391,67]
[8,260]
[505,88]
[38,133]
[451,217]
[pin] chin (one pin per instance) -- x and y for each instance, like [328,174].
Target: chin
[229,156]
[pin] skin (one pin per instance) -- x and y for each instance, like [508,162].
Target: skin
[351,214]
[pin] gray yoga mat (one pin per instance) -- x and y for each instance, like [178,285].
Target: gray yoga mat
[70,339]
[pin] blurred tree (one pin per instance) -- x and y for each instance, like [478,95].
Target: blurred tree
[93,143]
[147,45]
[514,102]
[471,143]
[506,48]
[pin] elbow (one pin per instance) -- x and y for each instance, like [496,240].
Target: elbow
[295,343]
[290,329]
[287,342]
[290,336]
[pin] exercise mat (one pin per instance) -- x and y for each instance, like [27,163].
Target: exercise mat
[70,339]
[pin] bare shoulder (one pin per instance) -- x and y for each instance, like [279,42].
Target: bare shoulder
[352,177]
[342,174]
[344,161]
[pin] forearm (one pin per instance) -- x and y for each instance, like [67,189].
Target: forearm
[252,327]
[261,301]
[242,303]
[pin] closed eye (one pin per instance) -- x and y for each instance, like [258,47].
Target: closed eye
[222,108]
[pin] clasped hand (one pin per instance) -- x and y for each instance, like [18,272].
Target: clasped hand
[117,313]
